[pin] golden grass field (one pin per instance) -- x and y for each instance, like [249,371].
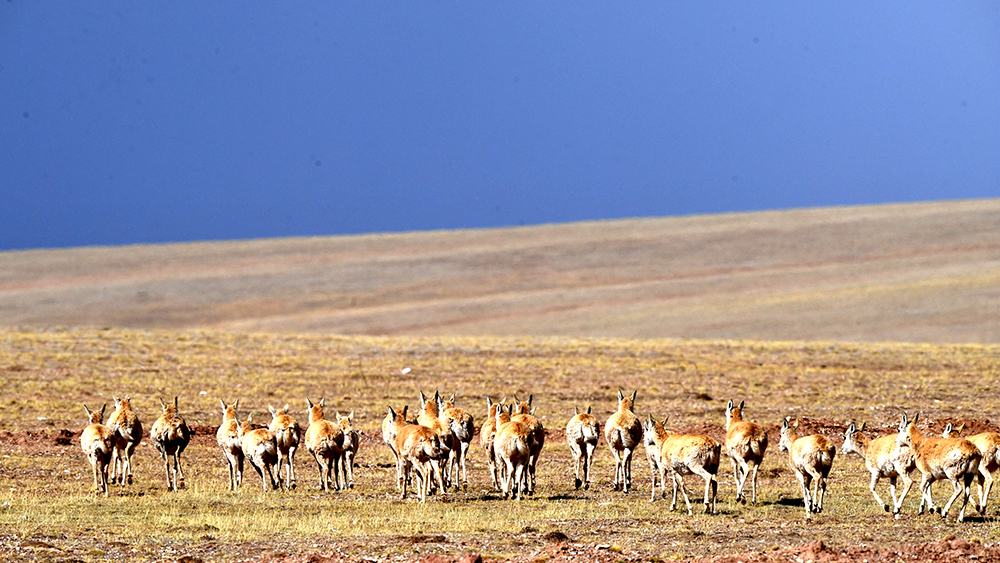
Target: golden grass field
[49,512]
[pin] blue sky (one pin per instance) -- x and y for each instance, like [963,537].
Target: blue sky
[124,122]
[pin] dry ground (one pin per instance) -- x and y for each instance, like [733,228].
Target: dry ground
[925,272]
[47,512]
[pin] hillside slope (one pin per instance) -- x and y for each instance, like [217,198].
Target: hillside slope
[911,272]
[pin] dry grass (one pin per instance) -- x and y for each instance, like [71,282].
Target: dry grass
[48,374]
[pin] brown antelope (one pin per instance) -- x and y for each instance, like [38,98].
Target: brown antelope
[954,459]
[128,433]
[988,444]
[486,434]
[170,434]
[287,435]
[98,442]
[653,435]
[810,457]
[228,437]
[623,433]
[746,443]
[429,416]
[418,446]
[462,428]
[582,433]
[390,424]
[325,441]
[352,441]
[680,455]
[260,448]
[522,411]
[512,446]
[883,458]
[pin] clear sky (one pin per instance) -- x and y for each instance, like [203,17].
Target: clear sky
[128,122]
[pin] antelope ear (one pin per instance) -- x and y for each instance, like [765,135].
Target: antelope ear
[236,405]
[784,424]
[405,408]
[309,404]
[863,424]
[664,423]
[286,408]
[271,410]
[649,418]
[620,396]
[87,410]
[634,393]
[531,397]
[351,416]
[742,403]
[162,404]
[576,410]
[392,413]
[175,403]
[322,401]
[961,427]
[730,405]
[223,403]
[423,399]
[589,408]
[915,418]
[851,429]
[489,403]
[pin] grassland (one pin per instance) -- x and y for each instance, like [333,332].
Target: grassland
[48,512]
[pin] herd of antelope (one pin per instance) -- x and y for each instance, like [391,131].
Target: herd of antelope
[431,451]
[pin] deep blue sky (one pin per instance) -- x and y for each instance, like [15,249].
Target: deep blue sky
[127,122]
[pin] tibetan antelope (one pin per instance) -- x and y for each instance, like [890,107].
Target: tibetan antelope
[746,443]
[390,424]
[653,435]
[623,433]
[325,441]
[260,448]
[228,437]
[883,458]
[98,443]
[582,433]
[419,448]
[170,434]
[128,433]
[988,444]
[430,417]
[512,446]
[462,428]
[685,454]
[486,434]
[287,435]
[352,441]
[954,459]
[522,411]
[810,457]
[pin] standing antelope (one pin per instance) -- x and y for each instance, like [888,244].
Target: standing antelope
[128,433]
[97,442]
[623,433]
[429,416]
[582,433]
[512,444]
[171,435]
[325,441]
[954,459]
[390,424]
[462,428]
[522,411]
[680,455]
[883,458]
[653,435]
[486,434]
[746,443]
[352,441]
[418,446]
[287,435]
[811,457]
[988,444]
[228,437]
[260,448]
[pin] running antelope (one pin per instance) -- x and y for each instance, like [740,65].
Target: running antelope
[170,434]
[623,433]
[128,433]
[811,457]
[260,448]
[582,433]
[486,434]
[512,444]
[429,416]
[954,459]
[228,437]
[325,441]
[522,411]
[746,443]
[988,444]
[462,428]
[883,458]
[287,435]
[352,441]
[98,442]
[419,447]
[390,424]
[685,454]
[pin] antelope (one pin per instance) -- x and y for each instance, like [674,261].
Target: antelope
[883,458]
[462,428]
[486,434]
[128,433]
[746,443]
[325,441]
[261,449]
[98,443]
[419,447]
[582,433]
[429,416]
[988,444]
[623,433]
[352,441]
[512,445]
[525,414]
[810,457]
[390,423]
[171,435]
[287,435]
[228,437]
[954,459]
[653,435]
[684,454]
